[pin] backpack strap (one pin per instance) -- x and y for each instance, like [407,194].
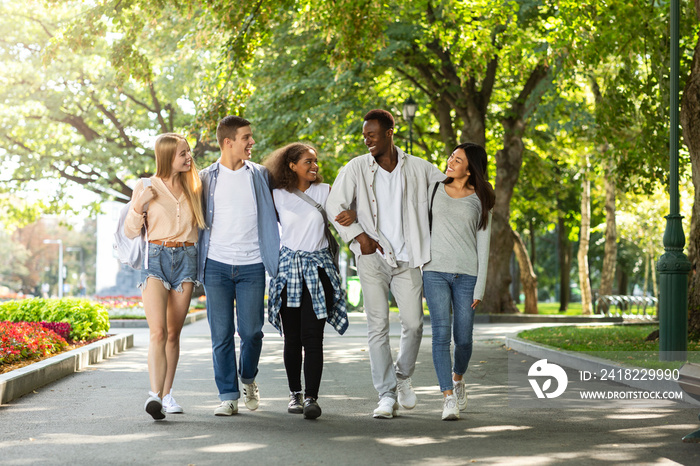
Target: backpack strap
[146,182]
[144,231]
[305,197]
[326,229]
[430,208]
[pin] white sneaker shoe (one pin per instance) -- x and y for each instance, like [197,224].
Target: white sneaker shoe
[450,412]
[407,397]
[227,408]
[388,408]
[154,406]
[170,405]
[251,396]
[460,391]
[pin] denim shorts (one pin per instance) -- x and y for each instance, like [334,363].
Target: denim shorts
[172,266]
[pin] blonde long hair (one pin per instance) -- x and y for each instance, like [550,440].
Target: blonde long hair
[165,148]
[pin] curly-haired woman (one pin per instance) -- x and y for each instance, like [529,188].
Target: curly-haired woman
[308,290]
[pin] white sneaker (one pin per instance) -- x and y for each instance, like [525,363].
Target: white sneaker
[154,406]
[227,408]
[388,408]
[170,405]
[251,396]
[460,391]
[407,397]
[450,412]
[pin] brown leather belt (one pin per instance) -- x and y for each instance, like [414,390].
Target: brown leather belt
[172,244]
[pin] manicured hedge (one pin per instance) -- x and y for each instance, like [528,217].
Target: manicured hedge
[87,319]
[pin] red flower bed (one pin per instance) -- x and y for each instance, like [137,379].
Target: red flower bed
[61,328]
[27,340]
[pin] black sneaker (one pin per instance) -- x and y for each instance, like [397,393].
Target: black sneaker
[311,409]
[296,403]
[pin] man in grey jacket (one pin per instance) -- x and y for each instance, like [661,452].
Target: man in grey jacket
[391,240]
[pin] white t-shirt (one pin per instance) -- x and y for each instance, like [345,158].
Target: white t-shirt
[301,223]
[234,229]
[389,191]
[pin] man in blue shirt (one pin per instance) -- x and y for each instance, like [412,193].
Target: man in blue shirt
[239,244]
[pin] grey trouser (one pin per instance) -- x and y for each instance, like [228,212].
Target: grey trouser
[406,284]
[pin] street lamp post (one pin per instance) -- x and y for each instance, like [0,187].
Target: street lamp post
[82,265]
[673,266]
[409,112]
[60,263]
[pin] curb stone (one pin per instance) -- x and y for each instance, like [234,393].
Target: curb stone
[585,362]
[19,382]
[543,318]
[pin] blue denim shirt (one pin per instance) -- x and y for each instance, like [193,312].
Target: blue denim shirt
[268,233]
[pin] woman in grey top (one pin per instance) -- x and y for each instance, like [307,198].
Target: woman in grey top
[456,274]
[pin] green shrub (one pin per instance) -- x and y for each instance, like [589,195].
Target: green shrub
[87,319]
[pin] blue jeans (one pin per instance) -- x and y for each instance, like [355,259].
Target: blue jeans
[443,290]
[172,266]
[245,284]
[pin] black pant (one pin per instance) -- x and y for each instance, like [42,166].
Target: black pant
[303,330]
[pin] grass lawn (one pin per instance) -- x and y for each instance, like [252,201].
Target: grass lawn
[553,308]
[619,343]
[573,310]
[543,308]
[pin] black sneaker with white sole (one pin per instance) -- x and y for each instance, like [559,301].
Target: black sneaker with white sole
[154,407]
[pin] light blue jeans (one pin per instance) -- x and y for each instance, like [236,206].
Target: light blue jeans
[245,284]
[442,291]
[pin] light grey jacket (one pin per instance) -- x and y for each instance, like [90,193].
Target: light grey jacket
[354,188]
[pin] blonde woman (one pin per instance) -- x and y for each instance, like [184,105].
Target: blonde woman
[172,212]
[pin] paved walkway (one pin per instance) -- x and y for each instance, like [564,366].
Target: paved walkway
[97,416]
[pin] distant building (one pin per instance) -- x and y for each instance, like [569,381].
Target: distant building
[113,278]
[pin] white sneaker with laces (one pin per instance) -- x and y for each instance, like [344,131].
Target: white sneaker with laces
[460,391]
[450,411]
[227,408]
[407,397]
[388,408]
[251,396]
[170,405]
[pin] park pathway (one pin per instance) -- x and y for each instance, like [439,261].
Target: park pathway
[97,417]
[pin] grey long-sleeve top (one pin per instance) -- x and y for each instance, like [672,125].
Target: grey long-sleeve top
[456,245]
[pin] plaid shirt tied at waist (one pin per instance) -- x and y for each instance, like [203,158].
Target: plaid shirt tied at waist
[297,268]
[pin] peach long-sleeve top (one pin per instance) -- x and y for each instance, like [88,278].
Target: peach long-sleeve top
[169,218]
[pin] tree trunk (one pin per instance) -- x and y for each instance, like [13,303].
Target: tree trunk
[655,286]
[647,266]
[533,247]
[508,163]
[564,265]
[584,241]
[610,255]
[622,282]
[690,121]
[447,133]
[515,284]
[509,160]
[527,274]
